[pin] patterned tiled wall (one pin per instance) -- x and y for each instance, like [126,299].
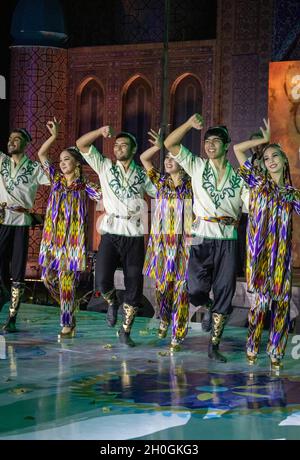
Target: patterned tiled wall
[38,92]
[244,44]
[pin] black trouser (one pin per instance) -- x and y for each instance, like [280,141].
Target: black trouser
[212,265]
[4,273]
[13,250]
[126,251]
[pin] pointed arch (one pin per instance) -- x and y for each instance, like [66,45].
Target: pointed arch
[90,107]
[137,103]
[186,99]
[89,116]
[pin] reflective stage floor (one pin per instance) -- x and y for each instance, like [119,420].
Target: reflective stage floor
[89,387]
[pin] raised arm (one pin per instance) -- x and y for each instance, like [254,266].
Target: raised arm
[146,157]
[241,149]
[172,142]
[85,141]
[53,128]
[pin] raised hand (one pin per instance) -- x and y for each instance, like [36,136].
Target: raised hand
[107,131]
[53,127]
[155,138]
[266,132]
[196,121]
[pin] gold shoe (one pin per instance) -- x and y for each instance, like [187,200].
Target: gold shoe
[163,330]
[67,335]
[251,359]
[174,347]
[275,364]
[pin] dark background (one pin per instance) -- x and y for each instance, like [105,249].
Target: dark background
[108,22]
[6,11]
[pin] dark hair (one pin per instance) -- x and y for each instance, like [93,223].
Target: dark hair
[219,131]
[129,136]
[74,151]
[24,133]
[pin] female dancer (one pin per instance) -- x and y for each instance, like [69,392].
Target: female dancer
[269,243]
[63,245]
[167,254]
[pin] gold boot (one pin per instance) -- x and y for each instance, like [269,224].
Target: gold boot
[113,306]
[251,358]
[163,329]
[67,335]
[17,290]
[129,313]
[276,364]
[218,323]
[175,345]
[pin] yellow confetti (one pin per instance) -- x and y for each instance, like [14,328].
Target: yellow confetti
[163,353]
[216,381]
[253,395]
[205,396]
[19,391]
[144,332]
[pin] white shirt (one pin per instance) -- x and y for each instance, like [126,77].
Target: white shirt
[18,187]
[213,199]
[123,192]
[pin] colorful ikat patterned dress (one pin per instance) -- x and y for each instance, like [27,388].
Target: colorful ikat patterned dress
[63,245]
[168,250]
[269,268]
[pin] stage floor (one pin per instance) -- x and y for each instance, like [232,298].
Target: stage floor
[89,387]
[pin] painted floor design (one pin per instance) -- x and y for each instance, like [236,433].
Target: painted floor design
[89,387]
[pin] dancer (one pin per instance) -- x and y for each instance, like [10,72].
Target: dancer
[122,229]
[269,244]
[19,181]
[218,196]
[63,245]
[256,155]
[168,251]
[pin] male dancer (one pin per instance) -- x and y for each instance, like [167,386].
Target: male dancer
[19,181]
[218,194]
[123,184]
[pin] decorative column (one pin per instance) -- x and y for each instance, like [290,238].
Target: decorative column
[38,93]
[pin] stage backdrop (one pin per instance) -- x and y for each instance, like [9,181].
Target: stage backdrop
[284,114]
